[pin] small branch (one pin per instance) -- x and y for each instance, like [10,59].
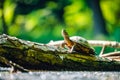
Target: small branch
[17,67]
[102,51]
[14,67]
[91,42]
[56,43]
[111,54]
[115,58]
[106,43]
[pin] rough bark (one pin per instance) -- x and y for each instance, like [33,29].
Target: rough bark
[37,56]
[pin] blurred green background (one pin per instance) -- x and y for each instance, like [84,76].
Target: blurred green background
[43,20]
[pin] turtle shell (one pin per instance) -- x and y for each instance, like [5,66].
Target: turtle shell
[82,41]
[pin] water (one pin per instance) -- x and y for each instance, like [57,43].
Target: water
[64,75]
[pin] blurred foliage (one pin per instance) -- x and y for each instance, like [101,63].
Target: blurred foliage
[43,20]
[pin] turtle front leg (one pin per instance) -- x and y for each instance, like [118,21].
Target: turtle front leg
[68,49]
[64,47]
[72,49]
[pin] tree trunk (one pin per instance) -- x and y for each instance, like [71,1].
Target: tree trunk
[37,56]
[4,26]
[99,22]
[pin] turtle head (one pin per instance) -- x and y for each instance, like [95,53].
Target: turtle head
[64,34]
[66,38]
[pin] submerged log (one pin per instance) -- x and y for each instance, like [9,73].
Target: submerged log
[37,56]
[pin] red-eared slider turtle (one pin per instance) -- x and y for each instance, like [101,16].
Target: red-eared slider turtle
[77,44]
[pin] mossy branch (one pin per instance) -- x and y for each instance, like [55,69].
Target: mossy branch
[37,56]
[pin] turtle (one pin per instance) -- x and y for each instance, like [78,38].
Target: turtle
[77,44]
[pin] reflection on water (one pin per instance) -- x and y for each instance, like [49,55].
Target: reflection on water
[64,75]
